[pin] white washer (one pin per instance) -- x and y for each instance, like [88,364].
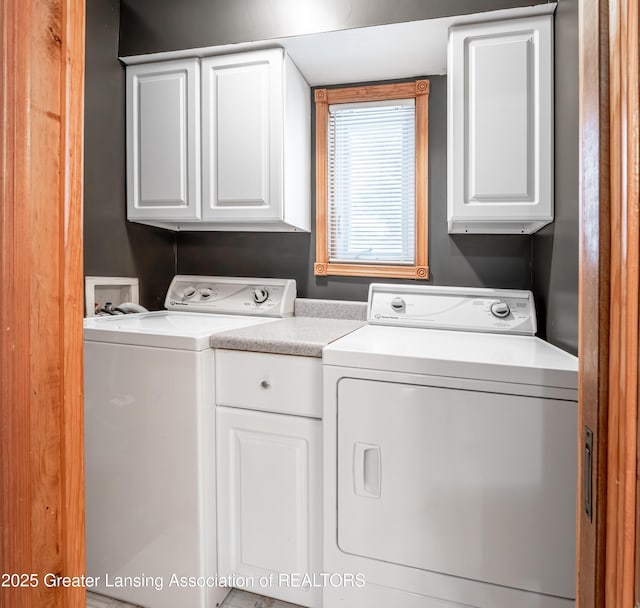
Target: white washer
[450,449]
[150,438]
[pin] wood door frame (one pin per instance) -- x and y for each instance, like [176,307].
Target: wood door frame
[624,300]
[609,298]
[41,304]
[593,340]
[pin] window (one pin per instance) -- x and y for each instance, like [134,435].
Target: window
[371,180]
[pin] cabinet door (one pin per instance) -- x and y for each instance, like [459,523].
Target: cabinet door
[163,141]
[465,483]
[269,502]
[501,126]
[242,100]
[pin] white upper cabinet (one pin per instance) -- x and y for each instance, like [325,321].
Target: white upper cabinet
[242,140]
[500,126]
[251,140]
[163,149]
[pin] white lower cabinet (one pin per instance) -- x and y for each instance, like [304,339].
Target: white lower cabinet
[269,503]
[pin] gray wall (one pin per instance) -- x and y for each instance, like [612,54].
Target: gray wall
[113,246]
[547,262]
[556,247]
[474,260]
[149,26]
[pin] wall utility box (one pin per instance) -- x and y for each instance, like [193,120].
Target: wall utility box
[100,290]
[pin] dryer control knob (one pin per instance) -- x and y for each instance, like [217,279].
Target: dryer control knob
[260,295]
[500,309]
[205,293]
[398,304]
[189,292]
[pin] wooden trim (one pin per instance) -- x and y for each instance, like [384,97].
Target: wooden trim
[624,329]
[41,407]
[322,121]
[595,243]
[378,92]
[372,270]
[609,298]
[631,529]
[417,89]
[422,177]
[72,285]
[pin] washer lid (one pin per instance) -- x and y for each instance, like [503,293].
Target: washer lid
[479,356]
[164,329]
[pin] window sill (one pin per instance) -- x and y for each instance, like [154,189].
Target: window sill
[371,270]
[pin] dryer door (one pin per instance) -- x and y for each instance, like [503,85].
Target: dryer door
[472,484]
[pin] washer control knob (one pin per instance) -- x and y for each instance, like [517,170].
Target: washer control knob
[398,304]
[189,292]
[260,295]
[500,309]
[205,293]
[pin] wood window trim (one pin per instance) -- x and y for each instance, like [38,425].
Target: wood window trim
[417,89]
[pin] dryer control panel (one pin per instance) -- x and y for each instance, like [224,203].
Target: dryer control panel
[506,311]
[232,295]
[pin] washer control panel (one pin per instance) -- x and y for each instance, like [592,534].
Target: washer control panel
[231,295]
[506,311]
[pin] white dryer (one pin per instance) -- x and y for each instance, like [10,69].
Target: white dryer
[450,453]
[150,439]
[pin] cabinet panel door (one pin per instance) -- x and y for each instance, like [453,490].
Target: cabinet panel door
[269,501]
[500,155]
[466,483]
[242,136]
[500,122]
[163,141]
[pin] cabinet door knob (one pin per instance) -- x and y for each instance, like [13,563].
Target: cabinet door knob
[265,384]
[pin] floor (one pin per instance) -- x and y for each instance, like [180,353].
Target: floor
[236,599]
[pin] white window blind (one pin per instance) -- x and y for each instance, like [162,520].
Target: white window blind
[371,182]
